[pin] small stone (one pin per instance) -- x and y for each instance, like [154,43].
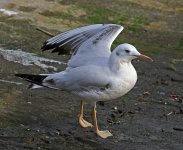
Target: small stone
[161,93]
[117,122]
[47,137]
[22,125]
[115,108]
[146,93]
[57,133]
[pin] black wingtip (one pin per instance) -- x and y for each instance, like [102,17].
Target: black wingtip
[32,78]
[44,47]
[47,46]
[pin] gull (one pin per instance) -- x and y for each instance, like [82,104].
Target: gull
[93,73]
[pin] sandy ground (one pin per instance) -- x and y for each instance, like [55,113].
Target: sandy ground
[148,117]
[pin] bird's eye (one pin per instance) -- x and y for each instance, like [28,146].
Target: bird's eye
[127,51]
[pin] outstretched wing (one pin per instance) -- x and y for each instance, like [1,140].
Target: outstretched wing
[90,41]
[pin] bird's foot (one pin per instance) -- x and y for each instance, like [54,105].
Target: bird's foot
[84,123]
[103,134]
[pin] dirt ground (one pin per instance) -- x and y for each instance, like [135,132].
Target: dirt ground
[148,117]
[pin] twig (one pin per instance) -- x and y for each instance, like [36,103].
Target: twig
[45,32]
[169,113]
[178,129]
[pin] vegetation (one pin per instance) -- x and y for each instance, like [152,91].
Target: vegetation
[153,26]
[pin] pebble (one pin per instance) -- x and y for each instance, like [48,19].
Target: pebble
[146,93]
[161,93]
[115,108]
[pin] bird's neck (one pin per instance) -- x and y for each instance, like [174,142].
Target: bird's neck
[116,65]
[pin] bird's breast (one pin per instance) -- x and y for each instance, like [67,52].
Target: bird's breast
[124,82]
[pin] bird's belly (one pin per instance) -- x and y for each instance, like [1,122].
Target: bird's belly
[111,93]
[95,95]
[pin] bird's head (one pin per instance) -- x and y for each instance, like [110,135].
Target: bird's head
[127,52]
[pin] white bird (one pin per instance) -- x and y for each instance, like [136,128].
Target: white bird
[94,73]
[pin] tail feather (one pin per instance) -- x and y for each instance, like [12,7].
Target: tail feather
[34,86]
[35,79]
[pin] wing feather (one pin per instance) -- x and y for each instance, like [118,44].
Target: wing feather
[70,41]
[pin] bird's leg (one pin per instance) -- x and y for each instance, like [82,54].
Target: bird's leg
[102,134]
[83,122]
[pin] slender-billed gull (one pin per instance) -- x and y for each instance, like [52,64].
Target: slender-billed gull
[94,73]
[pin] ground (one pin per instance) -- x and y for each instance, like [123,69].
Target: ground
[148,117]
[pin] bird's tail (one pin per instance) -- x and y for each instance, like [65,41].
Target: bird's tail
[35,80]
